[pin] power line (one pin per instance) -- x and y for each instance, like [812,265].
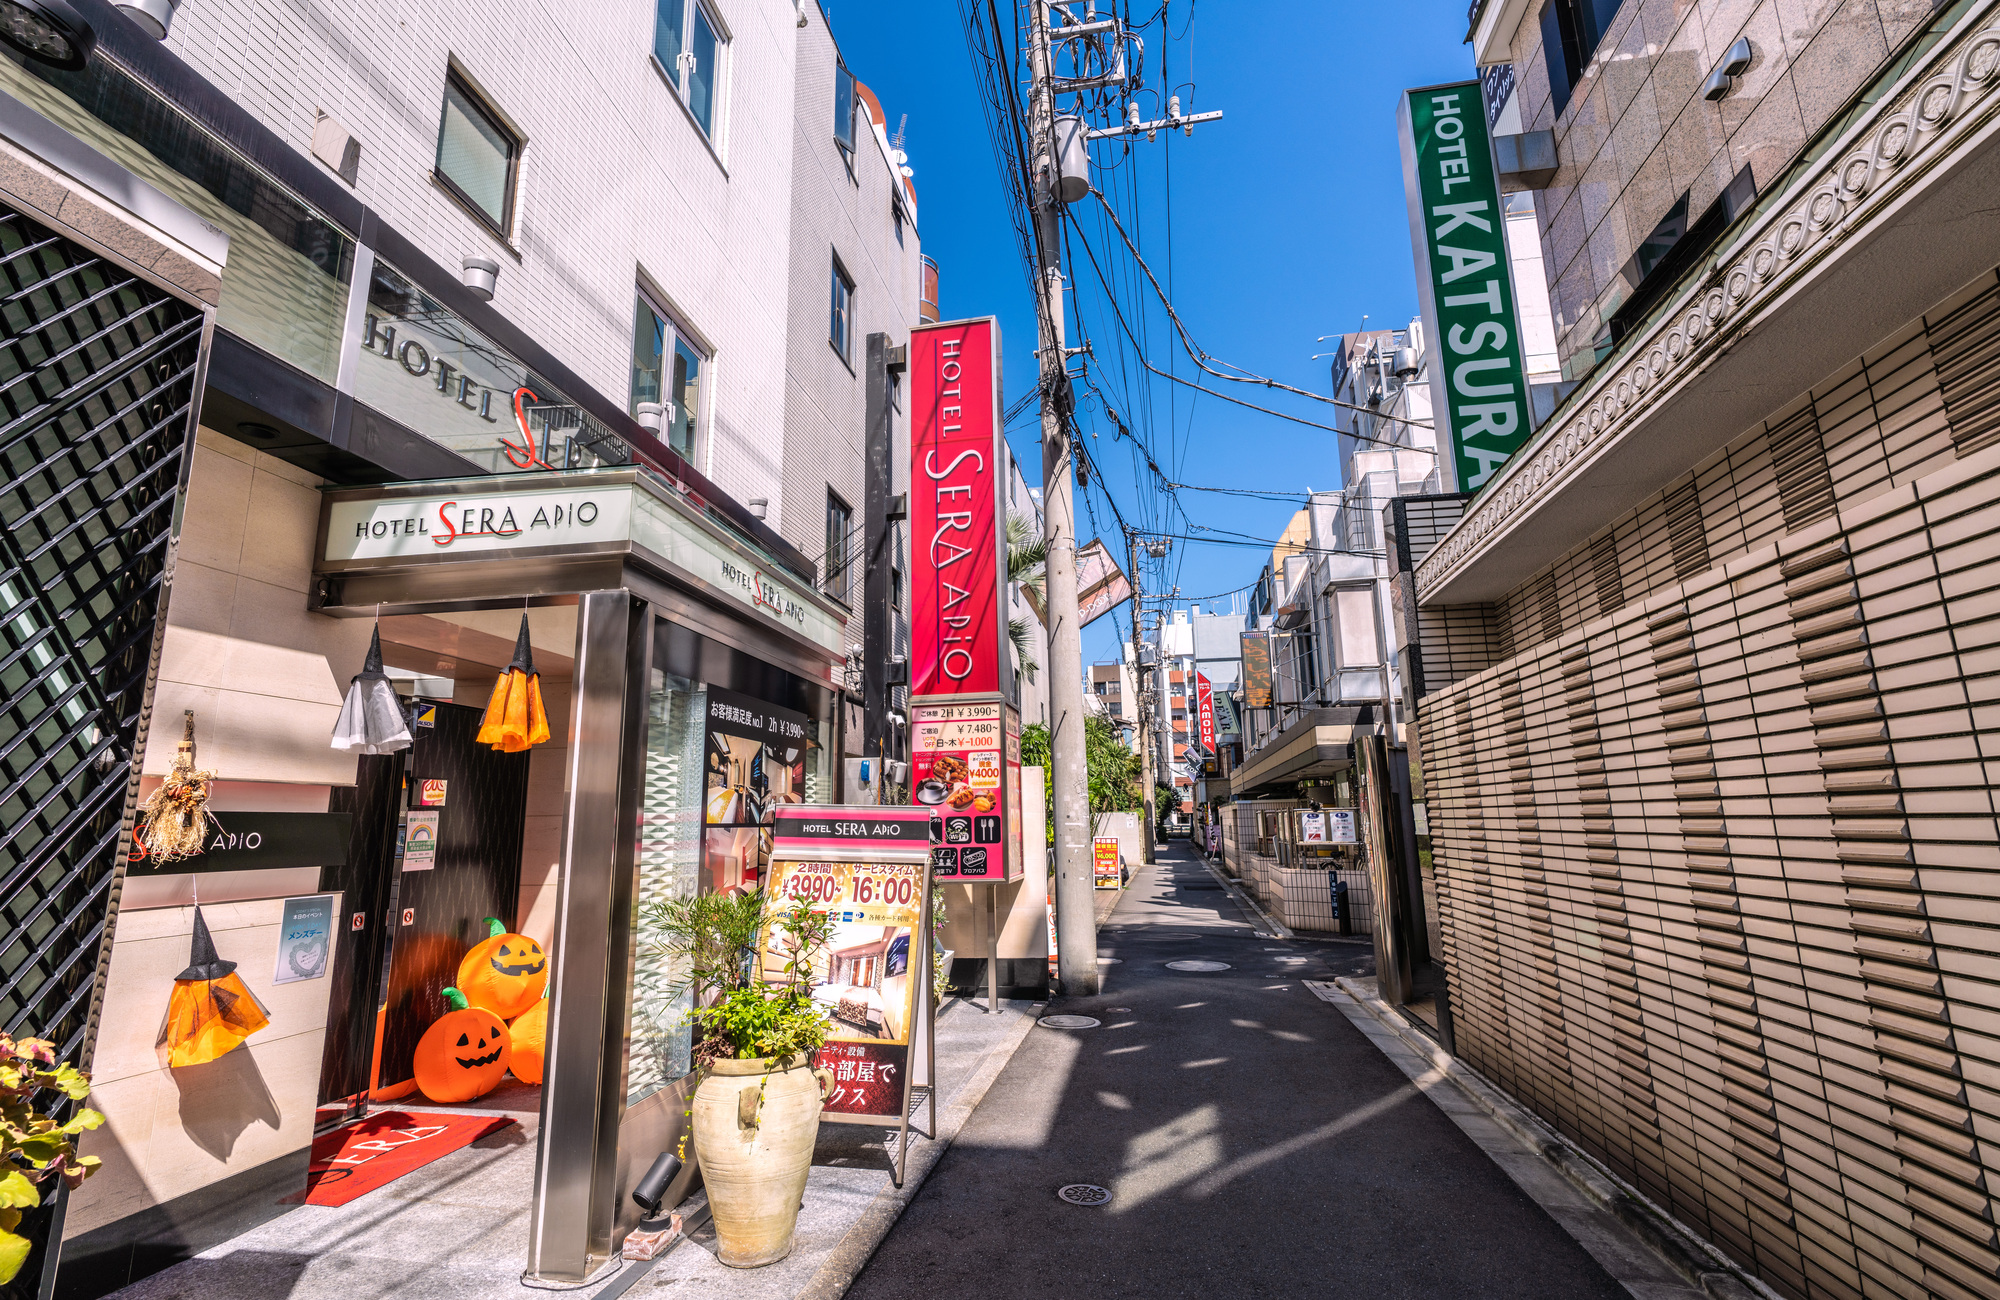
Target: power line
[1201,358]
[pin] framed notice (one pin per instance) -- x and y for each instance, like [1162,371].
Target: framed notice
[305,938]
[420,838]
[1339,825]
[1104,862]
[866,868]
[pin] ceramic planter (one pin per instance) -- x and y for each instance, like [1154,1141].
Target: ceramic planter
[754,1130]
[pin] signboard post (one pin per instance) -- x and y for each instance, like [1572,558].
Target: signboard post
[865,866]
[1465,282]
[1104,862]
[1256,648]
[966,739]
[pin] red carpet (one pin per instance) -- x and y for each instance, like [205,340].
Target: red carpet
[358,1158]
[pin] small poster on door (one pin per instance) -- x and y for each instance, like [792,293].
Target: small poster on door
[420,835]
[305,938]
[431,792]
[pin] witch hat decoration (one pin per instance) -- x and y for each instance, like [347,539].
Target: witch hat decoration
[515,719]
[204,962]
[210,1010]
[371,718]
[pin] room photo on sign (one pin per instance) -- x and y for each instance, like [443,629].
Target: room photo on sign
[756,762]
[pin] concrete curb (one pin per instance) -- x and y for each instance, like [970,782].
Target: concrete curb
[1235,890]
[1675,1245]
[859,1244]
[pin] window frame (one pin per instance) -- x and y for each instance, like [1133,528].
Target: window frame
[843,75]
[676,74]
[840,315]
[455,79]
[835,503]
[675,335]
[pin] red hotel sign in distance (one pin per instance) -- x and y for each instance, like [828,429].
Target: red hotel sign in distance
[957,473]
[1204,700]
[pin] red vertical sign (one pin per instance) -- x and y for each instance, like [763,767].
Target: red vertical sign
[957,471]
[1204,703]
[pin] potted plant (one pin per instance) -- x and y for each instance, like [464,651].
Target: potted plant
[756,1109]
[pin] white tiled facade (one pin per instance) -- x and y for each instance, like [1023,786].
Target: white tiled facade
[617,185]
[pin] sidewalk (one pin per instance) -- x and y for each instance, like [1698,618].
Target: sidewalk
[457,1229]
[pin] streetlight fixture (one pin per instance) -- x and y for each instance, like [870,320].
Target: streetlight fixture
[47,30]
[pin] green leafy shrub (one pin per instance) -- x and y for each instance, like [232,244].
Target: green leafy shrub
[33,1145]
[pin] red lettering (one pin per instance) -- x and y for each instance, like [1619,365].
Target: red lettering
[444,521]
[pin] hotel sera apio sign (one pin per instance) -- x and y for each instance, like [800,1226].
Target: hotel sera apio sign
[507,516]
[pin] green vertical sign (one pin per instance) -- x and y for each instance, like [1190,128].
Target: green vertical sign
[1458,228]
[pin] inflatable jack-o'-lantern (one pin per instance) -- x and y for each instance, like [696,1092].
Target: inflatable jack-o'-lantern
[504,973]
[530,1037]
[464,1054]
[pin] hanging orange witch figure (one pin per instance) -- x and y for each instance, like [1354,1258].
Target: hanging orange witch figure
[211,1010]
[514,718]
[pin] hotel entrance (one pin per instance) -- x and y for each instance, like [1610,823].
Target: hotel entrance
[687,677]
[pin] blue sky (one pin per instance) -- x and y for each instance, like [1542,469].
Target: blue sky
[1282,222]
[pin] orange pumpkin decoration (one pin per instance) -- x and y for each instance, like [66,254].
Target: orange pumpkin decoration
[530,1035]
[505,973]
[464,1054]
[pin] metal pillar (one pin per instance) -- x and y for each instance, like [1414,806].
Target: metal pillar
[576,1198]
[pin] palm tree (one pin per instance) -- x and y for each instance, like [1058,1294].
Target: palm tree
[1027,556]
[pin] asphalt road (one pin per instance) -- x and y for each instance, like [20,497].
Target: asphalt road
[1254,1142]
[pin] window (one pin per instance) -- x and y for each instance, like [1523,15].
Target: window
[1674,245]
[689,50]
[476,155]
[841,331]
[1571,30]
[666,369]
[896,211]
[843,107]
[839,521]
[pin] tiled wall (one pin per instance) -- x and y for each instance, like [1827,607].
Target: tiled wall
[1716,847]
[1636,133]
[616,180]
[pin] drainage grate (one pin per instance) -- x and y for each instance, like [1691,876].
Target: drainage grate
[1069,1022]
[1084,1194]
[1197,965]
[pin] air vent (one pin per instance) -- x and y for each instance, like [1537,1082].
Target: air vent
[1684,529]
[1798,457]
[1604,571]
[1965,348]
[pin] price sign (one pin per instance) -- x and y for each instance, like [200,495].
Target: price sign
[967,766]
[867,980]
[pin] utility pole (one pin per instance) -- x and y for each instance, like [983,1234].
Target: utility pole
[1076,903]
[1139,704]
[1059,167]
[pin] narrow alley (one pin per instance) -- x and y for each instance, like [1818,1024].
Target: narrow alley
[1253,1141]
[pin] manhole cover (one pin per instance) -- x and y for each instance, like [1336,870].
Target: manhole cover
[1197,965]
[1069,1022]
[1084,1194]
